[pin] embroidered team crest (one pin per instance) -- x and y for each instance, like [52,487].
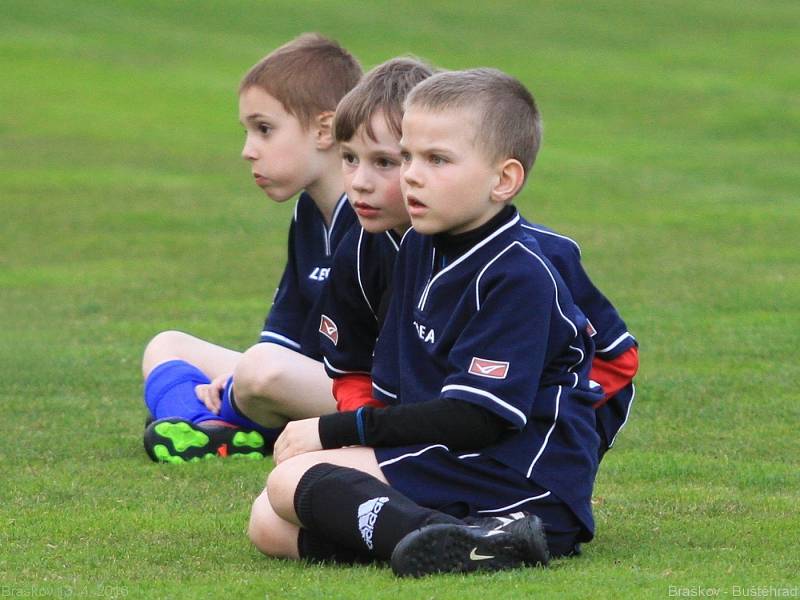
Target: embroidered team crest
[493,369]
[329,329]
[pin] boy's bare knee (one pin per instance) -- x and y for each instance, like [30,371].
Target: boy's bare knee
[254,377]
[163,347]
[270,534]
[281,486]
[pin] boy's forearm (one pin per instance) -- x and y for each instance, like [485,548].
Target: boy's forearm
[457,424]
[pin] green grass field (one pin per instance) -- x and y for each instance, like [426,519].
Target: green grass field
[671,152]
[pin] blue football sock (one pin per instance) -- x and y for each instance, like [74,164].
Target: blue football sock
[169,392]
[230,413]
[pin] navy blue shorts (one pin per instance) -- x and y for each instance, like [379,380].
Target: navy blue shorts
[474,485]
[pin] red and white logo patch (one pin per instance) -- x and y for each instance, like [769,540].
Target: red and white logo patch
[329,329]
[590,328]
[493,369]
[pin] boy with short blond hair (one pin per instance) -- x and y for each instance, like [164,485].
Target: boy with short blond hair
[208,400]
[483,362]
[353,307]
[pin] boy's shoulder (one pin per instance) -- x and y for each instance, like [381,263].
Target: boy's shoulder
[552,242]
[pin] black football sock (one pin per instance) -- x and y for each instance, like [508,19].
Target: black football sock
[359,511]
[315,548]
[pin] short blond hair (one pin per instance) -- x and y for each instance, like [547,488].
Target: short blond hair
[383,89]
[508,123]
[308,75]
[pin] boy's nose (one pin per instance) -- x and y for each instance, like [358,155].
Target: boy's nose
[360,181]
[411,174]
[248,152]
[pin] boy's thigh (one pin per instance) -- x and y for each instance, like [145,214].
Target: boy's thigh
[212,359]
[296,385]
[475,485]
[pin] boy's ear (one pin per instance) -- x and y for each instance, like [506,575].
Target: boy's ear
[510,177]
[324,130]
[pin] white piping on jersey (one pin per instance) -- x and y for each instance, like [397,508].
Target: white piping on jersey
[580,360]
[391,239]
[328,231]
[383,391]
[492,397]
[547,437]
[281,338]
[296,204]
[411,455]
[462,258]
[616,342]
[335,370]
[627,414]
[358,274]
[510,506]
[474,454]
[554,234]
[402,239]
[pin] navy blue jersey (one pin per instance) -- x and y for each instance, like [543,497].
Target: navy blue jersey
[497,327]
[611,335]
[292,321]
[362,276]
[355,300]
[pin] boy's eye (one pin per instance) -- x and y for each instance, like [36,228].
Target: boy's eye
[385,163]
[405,157]
[349,158]
[264,128]
[437,160]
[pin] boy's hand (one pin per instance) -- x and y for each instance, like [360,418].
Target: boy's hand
[297,438]
[210,394]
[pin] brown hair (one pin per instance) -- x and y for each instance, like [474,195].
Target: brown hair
[384,89]
[308,75]
[507,122]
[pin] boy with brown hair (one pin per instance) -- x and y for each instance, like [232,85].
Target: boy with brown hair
[483,363]
[208,400]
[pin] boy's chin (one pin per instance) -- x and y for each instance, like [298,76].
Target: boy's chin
[426,227]
[279,195]
[382,226]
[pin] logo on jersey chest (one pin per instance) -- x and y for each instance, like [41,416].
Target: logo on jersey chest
[426,334]
[493,369]
[329,329]
[320,273]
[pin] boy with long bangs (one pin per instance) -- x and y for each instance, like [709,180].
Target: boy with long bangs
[198,392]
[367,129]
[483,362]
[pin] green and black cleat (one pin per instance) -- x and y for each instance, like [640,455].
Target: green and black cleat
[177,441]
[454,548]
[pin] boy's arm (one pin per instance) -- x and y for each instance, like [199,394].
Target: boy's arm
[287,316]
[349,325]
[610,335]
[458,425]
[616,373]
[354,391]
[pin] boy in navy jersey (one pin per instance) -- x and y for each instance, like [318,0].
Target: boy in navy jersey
[367,129]
[354,302]
[483,362]
[208,400]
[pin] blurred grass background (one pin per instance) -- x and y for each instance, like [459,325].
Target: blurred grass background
[672,137]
